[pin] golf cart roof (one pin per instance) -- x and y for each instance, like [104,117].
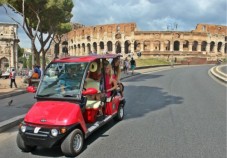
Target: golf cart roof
[88,58]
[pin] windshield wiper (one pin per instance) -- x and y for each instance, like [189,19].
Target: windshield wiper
[67,95]
[46,95]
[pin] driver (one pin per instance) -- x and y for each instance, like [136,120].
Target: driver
[67,80]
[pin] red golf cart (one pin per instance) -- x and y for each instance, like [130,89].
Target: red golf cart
[66,111]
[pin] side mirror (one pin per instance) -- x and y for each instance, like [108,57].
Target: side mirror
[31,89]
[90,91]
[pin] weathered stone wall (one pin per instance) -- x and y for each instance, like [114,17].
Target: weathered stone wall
[208,41]
[8,45]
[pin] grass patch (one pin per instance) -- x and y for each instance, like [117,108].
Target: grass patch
[151,62]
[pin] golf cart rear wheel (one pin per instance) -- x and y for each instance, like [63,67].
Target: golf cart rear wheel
[21,144]
[73,143]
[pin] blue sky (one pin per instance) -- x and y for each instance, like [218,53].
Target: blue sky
[149,15]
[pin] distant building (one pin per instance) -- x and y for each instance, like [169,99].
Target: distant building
[27,53]
[206,40]
[8,45]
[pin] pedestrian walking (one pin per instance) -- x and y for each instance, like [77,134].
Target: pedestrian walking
[13,79]
[126,65]
[133,65]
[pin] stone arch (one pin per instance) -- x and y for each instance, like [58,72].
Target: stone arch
[156,45]
[65,47]
[118,47]
[219,46]
[225,48]
[109,46]
[176,46]
[136,46]
[203,46]
[146,45]
[101,45]
[212,46]
[79,49]
[95,47]
[83,48]
[195,46]
[127,46]
[186,45]
[4,62]
[88,48]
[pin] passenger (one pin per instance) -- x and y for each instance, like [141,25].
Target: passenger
[35,75]
[110,81]
[117,74]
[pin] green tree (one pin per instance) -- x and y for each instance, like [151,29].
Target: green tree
[20,51]
[25,65]
[29,62]
[42,20]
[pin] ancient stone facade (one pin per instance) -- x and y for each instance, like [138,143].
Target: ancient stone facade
[206,40]
[8,45]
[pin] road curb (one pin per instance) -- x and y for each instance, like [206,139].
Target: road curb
[11,94]
[216,75]
[7,124]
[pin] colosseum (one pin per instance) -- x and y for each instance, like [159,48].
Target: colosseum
[207,41]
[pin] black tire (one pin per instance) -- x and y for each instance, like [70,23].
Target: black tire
[120,113]
[73,143]
[21,144]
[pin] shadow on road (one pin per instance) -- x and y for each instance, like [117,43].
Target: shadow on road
[145,77]
[145,99]
[56,151]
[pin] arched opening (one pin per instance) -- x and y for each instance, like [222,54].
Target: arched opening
[65,47]
[219,46]
[95,47]
[127,47]
[136,46]
[195,46]
[186,45]
[89,48]
[4,62]
[101,45]
[225,48]
[78,47]
[203,46]
[212,46]
[109,46]
[118,47]
[83,48]
[176,46]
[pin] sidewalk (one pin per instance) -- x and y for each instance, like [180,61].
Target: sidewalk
[6,91]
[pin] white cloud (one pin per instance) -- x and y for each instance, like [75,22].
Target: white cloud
[147,14]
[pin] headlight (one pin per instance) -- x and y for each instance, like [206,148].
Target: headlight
[23,128]
[54,132]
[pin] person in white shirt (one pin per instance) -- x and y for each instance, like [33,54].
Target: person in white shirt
[13,79]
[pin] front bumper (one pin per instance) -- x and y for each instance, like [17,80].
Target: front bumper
[42,137]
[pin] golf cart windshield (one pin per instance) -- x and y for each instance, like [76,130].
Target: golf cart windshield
[62,80]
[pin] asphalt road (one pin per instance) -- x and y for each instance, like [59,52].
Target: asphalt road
[20,105]
[170,114]
[224,69]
